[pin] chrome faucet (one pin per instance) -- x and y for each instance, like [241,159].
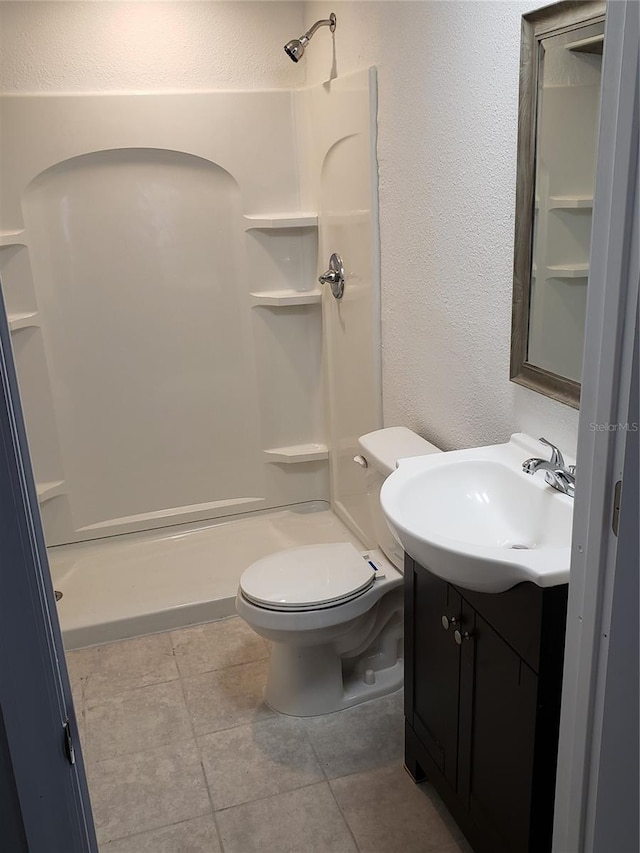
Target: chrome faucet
[562,477]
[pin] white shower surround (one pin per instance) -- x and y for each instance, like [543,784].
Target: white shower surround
[167,383]
[170,336]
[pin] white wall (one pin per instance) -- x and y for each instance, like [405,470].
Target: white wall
[448,103]
[104,46]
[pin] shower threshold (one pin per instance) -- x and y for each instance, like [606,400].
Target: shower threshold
[157,580]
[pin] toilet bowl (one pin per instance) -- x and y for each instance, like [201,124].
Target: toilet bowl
[333,613]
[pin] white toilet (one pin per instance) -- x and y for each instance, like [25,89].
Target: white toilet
[333,614]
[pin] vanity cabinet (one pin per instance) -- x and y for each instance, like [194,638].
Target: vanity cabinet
[483,678]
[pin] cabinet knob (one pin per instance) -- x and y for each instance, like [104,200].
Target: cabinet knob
[447,621]
[459,636]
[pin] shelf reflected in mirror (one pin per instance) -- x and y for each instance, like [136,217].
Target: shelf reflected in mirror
[560,77]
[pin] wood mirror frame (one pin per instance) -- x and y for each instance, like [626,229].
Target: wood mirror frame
[542,23]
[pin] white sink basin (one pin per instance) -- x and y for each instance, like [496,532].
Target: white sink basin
[474,518]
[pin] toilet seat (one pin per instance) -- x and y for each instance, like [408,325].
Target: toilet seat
[308,578]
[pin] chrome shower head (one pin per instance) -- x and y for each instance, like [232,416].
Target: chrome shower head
[295,48]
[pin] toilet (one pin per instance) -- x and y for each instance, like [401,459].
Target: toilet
[333,614]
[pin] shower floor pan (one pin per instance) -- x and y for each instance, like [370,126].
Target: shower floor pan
[138,583]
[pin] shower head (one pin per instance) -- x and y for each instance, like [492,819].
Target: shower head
[295,48]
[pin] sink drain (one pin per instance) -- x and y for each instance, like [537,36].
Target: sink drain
[520,547]
[58,594]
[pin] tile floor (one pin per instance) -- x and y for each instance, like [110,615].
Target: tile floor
[183,756]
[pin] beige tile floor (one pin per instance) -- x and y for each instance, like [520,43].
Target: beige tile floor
[183,756]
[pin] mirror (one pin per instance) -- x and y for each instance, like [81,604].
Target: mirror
[560,76]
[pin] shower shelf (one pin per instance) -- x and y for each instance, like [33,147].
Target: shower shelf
[568,271]
[12,238]
[46,491]
[281,220]
[296,453]
[24,320]
[570,202]
[593,44]
[285,298]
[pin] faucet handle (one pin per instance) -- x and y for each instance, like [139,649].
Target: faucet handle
[556,456]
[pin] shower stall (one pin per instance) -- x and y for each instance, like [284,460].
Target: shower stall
[193,398]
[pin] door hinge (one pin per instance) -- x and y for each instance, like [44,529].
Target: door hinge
[616,507]
[68,744]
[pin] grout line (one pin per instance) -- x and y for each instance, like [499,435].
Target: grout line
[331,791]
[315,752]
[344,817]
[199,754]
[219,668]
[213,811]
[93,701]
[269,797]
[153,829]
[120,755]
[223,668]
[236,725]
[90,703]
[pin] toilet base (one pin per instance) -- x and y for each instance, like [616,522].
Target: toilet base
[307,681]
[330,658]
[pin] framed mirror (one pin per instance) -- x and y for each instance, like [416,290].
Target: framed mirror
[560,76]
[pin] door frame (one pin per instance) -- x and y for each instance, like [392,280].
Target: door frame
[598,554]
[49,807]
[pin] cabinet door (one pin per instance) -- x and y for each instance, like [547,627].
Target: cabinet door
[436,665]
[499,736]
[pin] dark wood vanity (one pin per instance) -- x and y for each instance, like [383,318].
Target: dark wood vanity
[483,677]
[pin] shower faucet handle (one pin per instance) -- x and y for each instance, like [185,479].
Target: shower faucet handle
[334,276]
[329,277]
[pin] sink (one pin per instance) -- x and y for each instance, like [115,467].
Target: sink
[474,518]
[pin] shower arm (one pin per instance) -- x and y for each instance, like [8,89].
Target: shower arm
[329,22]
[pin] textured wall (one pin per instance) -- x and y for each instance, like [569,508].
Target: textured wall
[448,102]
[99,46]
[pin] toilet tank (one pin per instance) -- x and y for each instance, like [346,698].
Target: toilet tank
[380,450]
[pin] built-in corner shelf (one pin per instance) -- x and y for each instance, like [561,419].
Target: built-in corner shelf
[296,453]
[285,298]
[12,238]
[281,220]
[23,320]
[568,271]
[51,489]
[570,202]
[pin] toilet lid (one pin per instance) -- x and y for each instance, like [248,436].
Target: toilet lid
[307,578]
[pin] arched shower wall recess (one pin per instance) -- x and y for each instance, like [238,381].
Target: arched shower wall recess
[154,355]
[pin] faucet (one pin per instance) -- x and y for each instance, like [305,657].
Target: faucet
[557,474]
